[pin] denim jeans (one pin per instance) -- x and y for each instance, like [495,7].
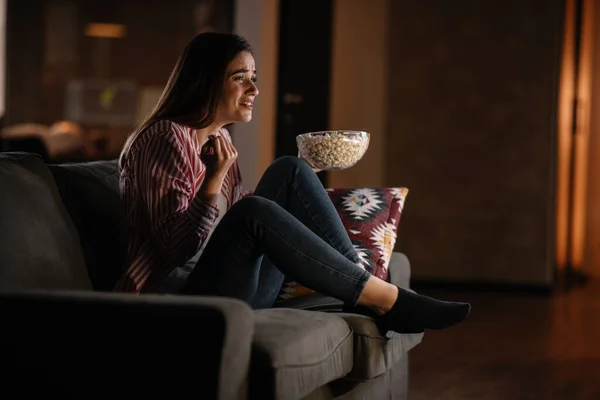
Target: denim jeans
[289,227]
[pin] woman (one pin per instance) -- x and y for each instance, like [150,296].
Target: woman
[191,229]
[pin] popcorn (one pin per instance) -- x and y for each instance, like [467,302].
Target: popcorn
[332,150]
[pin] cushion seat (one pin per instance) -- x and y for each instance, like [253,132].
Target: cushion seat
[296,351]
[312,302]
[375,354]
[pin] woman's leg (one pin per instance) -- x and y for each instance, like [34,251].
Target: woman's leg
[255,226]
[292,184]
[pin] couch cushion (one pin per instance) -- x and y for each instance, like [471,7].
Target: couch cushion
[296,351]
[40,246]
[312,302]
[90,191]
[375,354]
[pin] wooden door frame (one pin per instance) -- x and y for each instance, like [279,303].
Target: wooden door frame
[574,117]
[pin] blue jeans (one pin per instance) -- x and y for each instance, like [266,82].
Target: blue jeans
[288,228]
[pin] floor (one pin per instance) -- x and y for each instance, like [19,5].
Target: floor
[514,347]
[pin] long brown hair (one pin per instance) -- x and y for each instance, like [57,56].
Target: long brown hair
[193,91]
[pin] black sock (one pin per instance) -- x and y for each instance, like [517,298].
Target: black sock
[381,325]
[414,311]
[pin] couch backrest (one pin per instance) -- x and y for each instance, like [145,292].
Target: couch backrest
[90,192]
[39,246]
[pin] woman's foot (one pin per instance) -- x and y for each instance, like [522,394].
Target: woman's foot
[379,321]
[413,311]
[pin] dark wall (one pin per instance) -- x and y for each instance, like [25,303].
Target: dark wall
[472,131]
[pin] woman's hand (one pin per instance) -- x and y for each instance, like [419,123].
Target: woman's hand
[218,154]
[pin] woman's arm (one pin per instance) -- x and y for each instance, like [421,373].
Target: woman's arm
[179,220]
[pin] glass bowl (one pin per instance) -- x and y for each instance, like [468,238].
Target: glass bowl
[332,150]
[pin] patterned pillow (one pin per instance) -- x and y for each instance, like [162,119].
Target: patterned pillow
[371,217]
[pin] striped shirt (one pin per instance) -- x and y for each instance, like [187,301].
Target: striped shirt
[165,222]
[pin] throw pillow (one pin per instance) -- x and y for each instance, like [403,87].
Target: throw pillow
[90,192]
[371,217]
[40,245]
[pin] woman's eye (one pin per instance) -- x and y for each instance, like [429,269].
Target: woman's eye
[242,77]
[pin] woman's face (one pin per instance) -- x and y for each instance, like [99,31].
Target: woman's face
[239,90]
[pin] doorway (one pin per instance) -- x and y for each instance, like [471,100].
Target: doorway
[303,90]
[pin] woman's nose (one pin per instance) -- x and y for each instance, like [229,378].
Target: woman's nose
[253,89]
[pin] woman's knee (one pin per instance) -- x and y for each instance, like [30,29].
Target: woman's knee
[254,206]
[289,163]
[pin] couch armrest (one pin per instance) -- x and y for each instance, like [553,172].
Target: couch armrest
[399,270]
[95,345]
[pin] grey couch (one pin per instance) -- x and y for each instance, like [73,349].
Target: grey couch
[64,332]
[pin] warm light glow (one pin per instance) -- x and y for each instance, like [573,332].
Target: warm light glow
[565,117]
[591,265]
[582,136]
[573,149]
[113,31]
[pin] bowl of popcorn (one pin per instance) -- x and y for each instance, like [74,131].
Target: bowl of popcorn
[332,150]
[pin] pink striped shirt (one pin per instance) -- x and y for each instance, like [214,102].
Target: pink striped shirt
[165,222]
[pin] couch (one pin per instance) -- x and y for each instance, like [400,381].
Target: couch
[64,332]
